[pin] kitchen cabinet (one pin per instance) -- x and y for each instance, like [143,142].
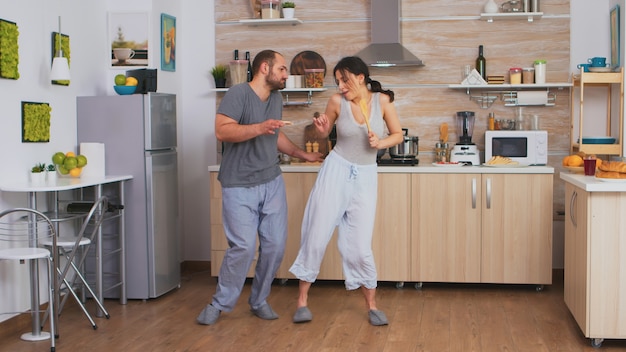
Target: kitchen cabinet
[489,228]
[298,186]
[391,229]
[609,81]
[594,282]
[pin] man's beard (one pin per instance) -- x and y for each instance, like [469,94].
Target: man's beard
[274,83]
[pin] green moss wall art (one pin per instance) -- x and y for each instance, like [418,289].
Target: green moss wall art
[35,122]
[9,53]
[64,41]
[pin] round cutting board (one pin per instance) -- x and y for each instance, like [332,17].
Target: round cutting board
[306,60]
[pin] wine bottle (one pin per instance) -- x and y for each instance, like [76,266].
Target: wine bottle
[481,63]
[249,66]
[236,54]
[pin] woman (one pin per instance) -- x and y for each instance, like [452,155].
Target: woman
[345,191]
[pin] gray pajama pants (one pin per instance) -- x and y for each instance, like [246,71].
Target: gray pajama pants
[344,195]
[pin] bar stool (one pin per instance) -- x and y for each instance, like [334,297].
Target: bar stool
[21,230]
[74,250]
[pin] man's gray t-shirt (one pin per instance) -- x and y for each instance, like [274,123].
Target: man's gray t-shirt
[255,161]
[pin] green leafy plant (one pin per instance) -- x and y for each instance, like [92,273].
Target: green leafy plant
[9,54]
[51,168]
[219,71]
[289,5]
[39,167]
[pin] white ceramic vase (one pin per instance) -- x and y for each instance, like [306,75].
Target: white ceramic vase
[289,12]
[491,7]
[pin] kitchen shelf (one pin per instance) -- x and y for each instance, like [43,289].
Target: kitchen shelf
[529,16]
[265,22]
[610,80]
[489,93]
[308,91]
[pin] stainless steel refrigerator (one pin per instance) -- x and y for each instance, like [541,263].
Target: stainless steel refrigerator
[139,133]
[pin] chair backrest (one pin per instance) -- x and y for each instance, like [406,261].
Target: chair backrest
[25,228]
[89,228]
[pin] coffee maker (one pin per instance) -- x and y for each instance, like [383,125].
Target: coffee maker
[465,151]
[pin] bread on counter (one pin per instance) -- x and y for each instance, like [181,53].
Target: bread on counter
[611,169]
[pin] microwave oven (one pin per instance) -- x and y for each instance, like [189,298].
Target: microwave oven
[525,147]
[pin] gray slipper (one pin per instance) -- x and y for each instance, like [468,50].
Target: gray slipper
[377,317]
[209,315]
[265,312]
[302,315]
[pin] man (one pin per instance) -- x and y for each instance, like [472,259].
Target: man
[253,191]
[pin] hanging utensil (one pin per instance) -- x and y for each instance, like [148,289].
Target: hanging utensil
[443,133]
[363,105]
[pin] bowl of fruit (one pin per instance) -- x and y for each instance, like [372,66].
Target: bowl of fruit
[125,85]
[69,164]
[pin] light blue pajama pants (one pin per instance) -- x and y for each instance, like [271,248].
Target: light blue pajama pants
[344,195]
[247,211]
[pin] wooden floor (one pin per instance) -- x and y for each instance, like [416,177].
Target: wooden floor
[439,317]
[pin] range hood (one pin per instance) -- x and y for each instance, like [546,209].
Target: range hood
[385,49]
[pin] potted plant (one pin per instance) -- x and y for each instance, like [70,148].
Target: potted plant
[37,173]
[289,9]
[51,173]
[219,75]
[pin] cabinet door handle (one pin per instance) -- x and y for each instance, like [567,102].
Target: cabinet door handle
[572,201]
[488,192]
[473,193]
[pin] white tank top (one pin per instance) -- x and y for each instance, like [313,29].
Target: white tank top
[352,140]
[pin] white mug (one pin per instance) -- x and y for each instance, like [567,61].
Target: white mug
[123,54]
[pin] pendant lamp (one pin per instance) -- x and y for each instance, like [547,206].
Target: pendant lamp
[60,66]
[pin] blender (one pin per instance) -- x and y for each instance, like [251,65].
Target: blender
[465,151]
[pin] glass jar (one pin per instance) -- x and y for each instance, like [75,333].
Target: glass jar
[314,78]
[528,75]
[270,9]
[515,75]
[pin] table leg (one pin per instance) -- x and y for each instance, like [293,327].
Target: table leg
[36,334]
[122,244]
[99,253]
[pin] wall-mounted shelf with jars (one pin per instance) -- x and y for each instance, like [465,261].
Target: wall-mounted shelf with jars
[309,92]
[487,94]
[529,16]
[271,21]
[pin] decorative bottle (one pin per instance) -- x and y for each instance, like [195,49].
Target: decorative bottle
[481,63]
[249,73]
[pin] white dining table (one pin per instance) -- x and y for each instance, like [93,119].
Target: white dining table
[58,184]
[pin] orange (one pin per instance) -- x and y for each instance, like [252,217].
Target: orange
[565,160]
[70,154]
[575,160]
[75,172]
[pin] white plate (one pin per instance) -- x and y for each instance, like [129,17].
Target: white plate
[600,69]
[448,165]
[506,165]
[611,180]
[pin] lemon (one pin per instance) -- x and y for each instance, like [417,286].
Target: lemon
[120,80]
[131,81]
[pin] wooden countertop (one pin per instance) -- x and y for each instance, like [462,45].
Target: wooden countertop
[592,184]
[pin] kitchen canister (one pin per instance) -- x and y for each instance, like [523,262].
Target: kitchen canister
[515,75]
[540,71]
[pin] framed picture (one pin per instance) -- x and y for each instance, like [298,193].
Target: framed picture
[128,39]
[615,39]
[168,42]
[35,122]
[9,53]
[62,42]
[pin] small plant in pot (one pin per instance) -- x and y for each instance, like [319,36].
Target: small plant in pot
[219,75]
[289,8]
[37,173]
